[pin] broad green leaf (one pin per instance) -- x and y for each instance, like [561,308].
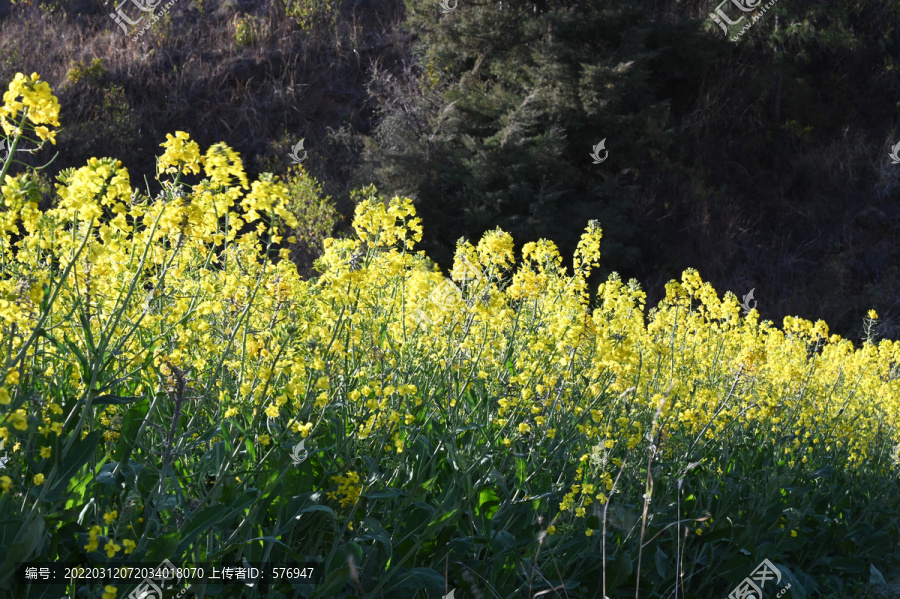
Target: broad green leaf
[199,524]
[416,578]
[131,424]
[163,547]
[107,400]
[79,455]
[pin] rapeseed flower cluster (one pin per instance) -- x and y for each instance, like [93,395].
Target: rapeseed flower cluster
[348,490]
[33,99]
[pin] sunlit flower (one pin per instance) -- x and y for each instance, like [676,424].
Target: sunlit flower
[111,548]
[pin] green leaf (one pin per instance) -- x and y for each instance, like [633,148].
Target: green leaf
[78,487]
[80,454]
[27,541]
[417,578]
[107,400]
[798,589]
[82,360]
[249,497]
[200,524]
[131,424]
[502,542]
[43,333]
[844,563]
[270,479]
[23,548]
[274,540]
[128,471]
[317,508]
[620,569]
[334,582]
[343,554]
[488,503]
[162,547]
[86,327]
[377,533]
[521,471]
[661,562]
[45,297]
[389,493]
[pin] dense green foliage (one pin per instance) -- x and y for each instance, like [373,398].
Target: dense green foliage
[763,160]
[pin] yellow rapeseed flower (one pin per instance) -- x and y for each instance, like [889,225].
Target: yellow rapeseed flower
[111,548]
[181,154]
[349,488]
[40,106]
[19,420]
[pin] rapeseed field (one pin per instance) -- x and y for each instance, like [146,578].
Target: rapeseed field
[173,390]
